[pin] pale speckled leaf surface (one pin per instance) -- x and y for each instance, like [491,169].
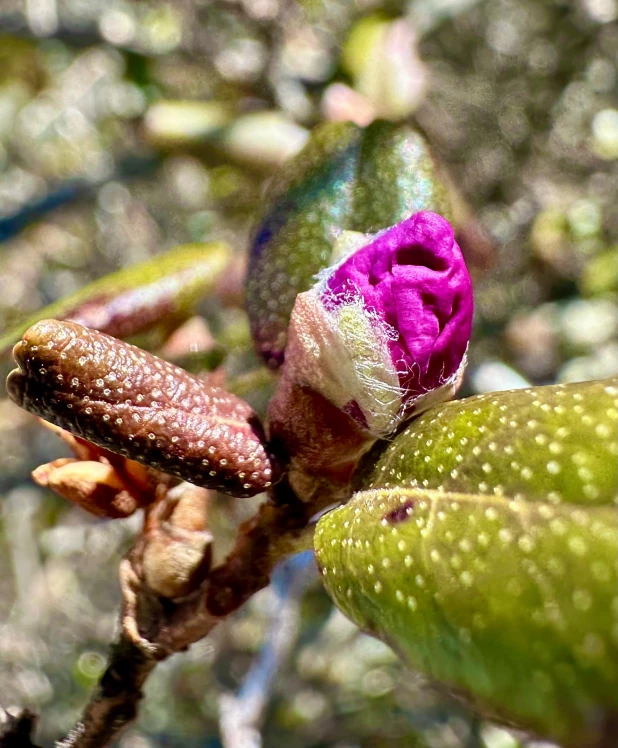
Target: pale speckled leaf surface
[510,601]
[138,298]
[346,178]
[555,443]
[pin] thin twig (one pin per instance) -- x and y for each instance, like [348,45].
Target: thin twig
[115,702]
[279,529]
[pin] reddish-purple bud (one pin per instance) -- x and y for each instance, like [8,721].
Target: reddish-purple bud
[382,336]
[384,333]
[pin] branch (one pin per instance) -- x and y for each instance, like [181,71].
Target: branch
[115,702]
[154,629]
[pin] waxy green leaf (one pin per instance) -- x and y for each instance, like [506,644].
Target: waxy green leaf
[514,605]
[139,298]
[491,570]
[346,178]
[552,444]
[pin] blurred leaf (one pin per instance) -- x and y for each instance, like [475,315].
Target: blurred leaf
[381,56]
[181,124]
[20,62]
[346,178]
[508,596]
[600,274]
[362,36]
[262,140]
[134,300]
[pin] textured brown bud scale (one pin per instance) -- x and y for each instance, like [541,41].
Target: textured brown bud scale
[140,406]
[177,551]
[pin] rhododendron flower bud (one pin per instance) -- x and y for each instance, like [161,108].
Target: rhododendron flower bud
[346,178]
[384,333]
[382,336]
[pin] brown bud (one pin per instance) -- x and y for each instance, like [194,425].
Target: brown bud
[178,546]
[135,404]
[96,487]
[319,438]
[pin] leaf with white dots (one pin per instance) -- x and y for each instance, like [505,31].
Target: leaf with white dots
[483,545]
[556,443]
[130,402]
[512,604]
[346,178]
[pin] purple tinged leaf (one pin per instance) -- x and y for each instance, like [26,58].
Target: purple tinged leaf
[142,407]
[139,298]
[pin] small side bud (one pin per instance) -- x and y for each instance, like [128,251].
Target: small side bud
[319,438]
[94,486]
[178,549]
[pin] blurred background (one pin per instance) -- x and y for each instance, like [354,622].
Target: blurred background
[127,127]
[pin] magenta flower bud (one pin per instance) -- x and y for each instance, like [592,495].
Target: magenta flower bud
[384,333]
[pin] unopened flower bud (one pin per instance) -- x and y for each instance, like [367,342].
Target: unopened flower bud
[346,178]
[382,336]
[142,407]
